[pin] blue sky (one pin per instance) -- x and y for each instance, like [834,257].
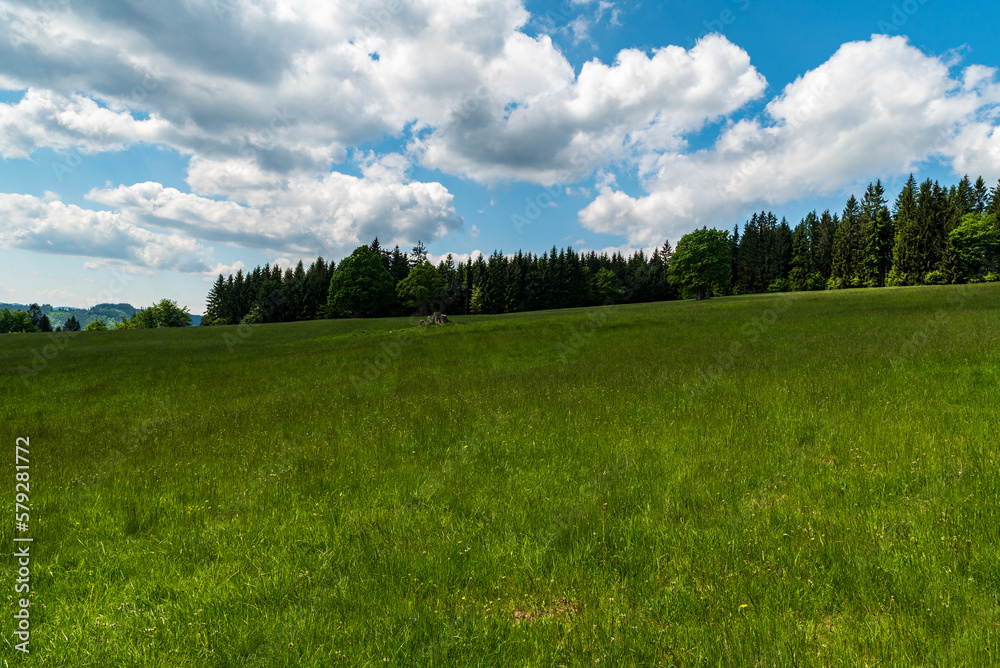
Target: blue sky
[146,148]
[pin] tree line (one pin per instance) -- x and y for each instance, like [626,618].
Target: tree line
[165,313]
[932,235]
[374,282]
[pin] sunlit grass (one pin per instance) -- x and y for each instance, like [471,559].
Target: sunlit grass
[539,489]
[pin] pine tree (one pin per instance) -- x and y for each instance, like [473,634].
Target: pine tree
[964,197]
[993,201]
[877,237]
[826,234]
[933,212]
[734,253]
[845,245]
[801,266]
[399,265]
[418,255]
[35,313]
[905,252]
[980,195]
[214,303]
[781,252]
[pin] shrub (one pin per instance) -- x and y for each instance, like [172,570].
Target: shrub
[934,278]
[779,285]
[836,284]
[815,281]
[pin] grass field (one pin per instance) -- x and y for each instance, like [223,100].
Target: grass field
[794,480]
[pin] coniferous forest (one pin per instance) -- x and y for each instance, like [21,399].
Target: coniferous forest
[931,235]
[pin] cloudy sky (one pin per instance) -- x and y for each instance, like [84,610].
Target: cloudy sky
[148,146]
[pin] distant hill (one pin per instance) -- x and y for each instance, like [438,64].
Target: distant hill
[58,315]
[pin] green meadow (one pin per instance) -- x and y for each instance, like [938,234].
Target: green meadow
[805,479]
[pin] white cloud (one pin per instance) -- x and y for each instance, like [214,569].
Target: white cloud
[294,87]
[876,108]
[44,118]
[29,223]
[640,103]
[303,212]
[457,258]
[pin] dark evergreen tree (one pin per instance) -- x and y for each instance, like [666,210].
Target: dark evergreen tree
[906,247]
[826,236]
[35,313]
[418,255]
[878,235]
[846,245]
[801,258]
[980,195]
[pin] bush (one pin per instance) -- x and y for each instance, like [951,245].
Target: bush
[934,278]
[815,282]
[836,284]
[97,326]
[896,278]
[253,317]
[779,285]
[991,277]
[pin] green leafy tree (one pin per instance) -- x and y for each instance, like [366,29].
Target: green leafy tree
[701,262]
[361,287]
[975,244]
[168,314]
[421,289]
[97,326]
[12,322]
[477,304]
[605,286]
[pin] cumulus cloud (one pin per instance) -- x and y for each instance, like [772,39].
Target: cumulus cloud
[44,118]
[42,225]
[157,227]
[298,84]
[295,214]
[568,126]
[876,108]
[296,87]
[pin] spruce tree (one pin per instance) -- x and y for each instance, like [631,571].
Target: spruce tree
[826,235]
[905,252]
[980,195]
[845,245]
[877,237]
[800,266]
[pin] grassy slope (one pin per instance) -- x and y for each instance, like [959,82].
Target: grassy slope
[521,490]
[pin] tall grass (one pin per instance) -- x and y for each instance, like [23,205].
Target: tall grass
[622,485]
